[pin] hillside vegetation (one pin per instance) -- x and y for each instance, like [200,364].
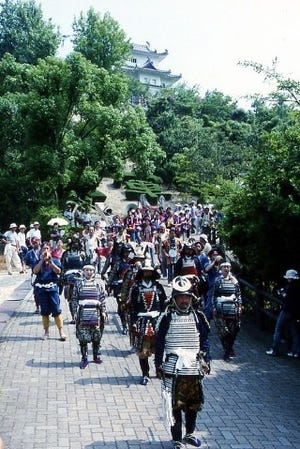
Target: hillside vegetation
[67,123]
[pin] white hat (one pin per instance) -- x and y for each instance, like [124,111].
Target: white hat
[22,226]
[36,223]
[204,237]
[13,225]
[291,274]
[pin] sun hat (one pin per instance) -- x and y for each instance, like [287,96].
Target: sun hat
[204,237]
[22,226]
[291,274]
[13,225]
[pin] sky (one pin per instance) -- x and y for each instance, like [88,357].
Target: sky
[206,39]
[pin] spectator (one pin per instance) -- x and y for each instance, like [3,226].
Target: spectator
[55,235]
[34,232]
[69,214]
[47,271]
[22,246]
[11,250]
[58,251]
[289,314]
[31,259]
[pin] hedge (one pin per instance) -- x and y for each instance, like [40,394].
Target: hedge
[143,186]
[98,197]
[134,195]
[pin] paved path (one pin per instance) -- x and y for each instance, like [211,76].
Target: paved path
[47,402]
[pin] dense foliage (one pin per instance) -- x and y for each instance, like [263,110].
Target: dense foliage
[205,139]
[24,33]
[65,123]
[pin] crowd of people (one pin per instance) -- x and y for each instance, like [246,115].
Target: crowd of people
[129,259]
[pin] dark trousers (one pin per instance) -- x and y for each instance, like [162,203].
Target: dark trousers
[190,423]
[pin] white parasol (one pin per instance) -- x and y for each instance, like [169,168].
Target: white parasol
[59,220]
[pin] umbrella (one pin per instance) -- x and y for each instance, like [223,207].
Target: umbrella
[59,220]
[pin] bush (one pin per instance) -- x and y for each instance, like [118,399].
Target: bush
[155,179]
[117,184]
[98,197]
[143,186]
[128,176]
[134,195]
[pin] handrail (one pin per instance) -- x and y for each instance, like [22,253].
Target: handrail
[258,302]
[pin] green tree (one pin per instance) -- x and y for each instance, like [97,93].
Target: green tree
[205,138]
[24,33]
[263,216]
[64,124]
[101,40]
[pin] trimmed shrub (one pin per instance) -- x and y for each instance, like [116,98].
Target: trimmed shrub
[117,184]
[136,184]
[98,197]
[128,176]
[155,179]
[133,195]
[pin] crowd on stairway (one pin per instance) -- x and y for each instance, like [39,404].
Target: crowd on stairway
[129,258]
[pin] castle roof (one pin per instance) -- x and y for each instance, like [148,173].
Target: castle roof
[146,50]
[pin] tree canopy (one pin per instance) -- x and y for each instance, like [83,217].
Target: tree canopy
[24,33]
[101,40]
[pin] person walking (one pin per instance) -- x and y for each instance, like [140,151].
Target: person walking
[182,336]
[147,301]
[31,259]
[89,307]
[115,280]
[289,314]
[47,271]
[171,249]
[227,308]
[211,266]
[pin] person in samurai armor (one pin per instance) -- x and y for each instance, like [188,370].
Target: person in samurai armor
[147,301]
[182,359]
[71,266]
[227,307]
[128,281]
[189,265]
[115,280]
[90,314]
